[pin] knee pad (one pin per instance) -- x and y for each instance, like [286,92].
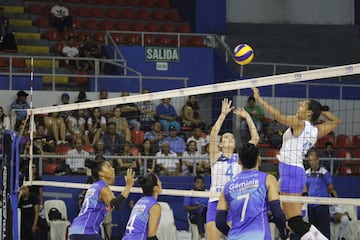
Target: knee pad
[298,225]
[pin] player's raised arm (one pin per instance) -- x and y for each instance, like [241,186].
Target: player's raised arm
[254,135]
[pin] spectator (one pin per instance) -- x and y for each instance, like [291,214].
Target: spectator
[56,127]
[83,98]
[65,99]
[177,143]
[197,207]
[20,105]
[191,113]
[190,158]
[29,206]
[4,24]
[338,215]
[329,152]
[319,184]
[106,111]
[166,161]
[125,160]
[146,151]
[77,157]
[167,115]
[92,49]
[197,137]
[60,16]
[256,113]
[43,141]
[100,148]
[155,136]
[112,140]
[274,134]
[131,112]
[96,124]
[76,126]
[71,50]
[147,112]
[4,122]
[122,126]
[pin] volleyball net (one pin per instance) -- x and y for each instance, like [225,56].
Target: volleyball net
[336,87]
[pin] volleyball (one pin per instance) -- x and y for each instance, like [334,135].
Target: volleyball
[243,54]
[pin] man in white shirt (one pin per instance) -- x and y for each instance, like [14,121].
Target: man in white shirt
[167,162]
[77,157]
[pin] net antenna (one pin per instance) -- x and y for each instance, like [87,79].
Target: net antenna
[237,84]
[32,119]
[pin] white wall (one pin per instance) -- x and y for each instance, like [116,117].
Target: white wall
[338,12]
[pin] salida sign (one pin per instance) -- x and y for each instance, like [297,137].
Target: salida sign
[162,54]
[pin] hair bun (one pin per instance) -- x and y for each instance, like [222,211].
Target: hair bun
[325,108]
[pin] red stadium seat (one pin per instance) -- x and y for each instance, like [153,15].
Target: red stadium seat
[166,40]
[107,2]
[122,25]
[113,13]
[137,137]
[58,47]
[322,141]
[343,141]
[119,38]
[100,37]
[89,149]
[128,14]
[184,41]
[18,62]
[98,12]
[43,21]
[137,26]
[51,168]
[119,2]
[89,2]
[150,40]
[106,25]
[77,23]
[164,3]
[149,3]
[62,149]
[152,27]
[82,11]
[67,33]
[356,154]
[184,28]
[81,35]
[174,16]
[168,27]
[52,35]
[196,41]
[158,15]
[271,154]
[91,24]
[342,153]
[134,3]
[35,9]
[134,39]
[356,141]
[144,14]
[4,62]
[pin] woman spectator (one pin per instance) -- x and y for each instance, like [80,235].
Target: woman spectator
[191,113]
[167,115]
[122,126]
[56,127]
[96,125]
[190,158]
[126,160]
[146,151]
[76,126]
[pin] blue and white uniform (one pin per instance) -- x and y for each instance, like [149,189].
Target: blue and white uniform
[222,171]
[291,155]
[92,212]
[246,195]
[137,226]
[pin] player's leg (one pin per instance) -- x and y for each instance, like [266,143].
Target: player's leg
[212,233]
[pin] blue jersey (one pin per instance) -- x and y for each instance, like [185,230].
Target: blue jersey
[317,183]
[137,226]
[92,212]
[246,195]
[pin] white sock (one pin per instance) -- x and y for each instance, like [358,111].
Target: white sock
[313,234]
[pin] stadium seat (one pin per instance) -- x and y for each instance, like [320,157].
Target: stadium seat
[271,155]
[122,25]
[58,47]
[62,149]
[158,15]
[134,39]
[113,13]
[322,141]
[165,40]
[196,41]
[164,4]
[106,25]
[51,168]
[184,28]
[100,37]
[77,23]
[82,11]
[35,9]
[67,33]
[91,24]
[343,153]
[58,227]
[128,14]
[89,149]
[4,62]
[43,22]
[149,3]
[107,2]
[52,35]
[168,27]
[75,1]
[356,141]
[184,41]
[119,2]
[137,137]
[137,26]
[144,14]
[98,12]
[119,38]
[152,27]
[18,62]
[150,40]
[174,16]
[356,154]
[343,141]
[89,2]
[81,35]
[134,3]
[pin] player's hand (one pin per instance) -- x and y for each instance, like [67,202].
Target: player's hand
[226,106]
[241,112]
[130,177]
[256,92]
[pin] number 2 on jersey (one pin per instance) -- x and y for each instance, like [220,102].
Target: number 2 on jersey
[130,224]
[246,201]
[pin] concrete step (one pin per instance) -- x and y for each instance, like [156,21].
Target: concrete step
[27,35]
[18,15]
[58,79]
[13,8]
[34,42]
[20,22]
[33,49]
[42,63]
[31,29]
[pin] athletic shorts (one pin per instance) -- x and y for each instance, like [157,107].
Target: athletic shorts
[211,212]
[292,179]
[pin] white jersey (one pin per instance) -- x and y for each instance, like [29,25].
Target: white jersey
[222,171]
[294,148]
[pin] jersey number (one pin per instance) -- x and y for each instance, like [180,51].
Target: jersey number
[130,224]
[246,200]
[84,207]
[229,171]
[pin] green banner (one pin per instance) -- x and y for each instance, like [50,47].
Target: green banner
[162,54]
